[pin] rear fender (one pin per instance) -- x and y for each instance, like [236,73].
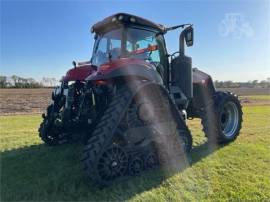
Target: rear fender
[203,91]
[130,71]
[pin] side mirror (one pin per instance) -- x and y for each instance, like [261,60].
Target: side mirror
[189,36]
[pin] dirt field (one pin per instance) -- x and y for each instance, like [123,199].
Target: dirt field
[24,101]
[35,101]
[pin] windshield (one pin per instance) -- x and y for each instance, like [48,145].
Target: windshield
[125,43]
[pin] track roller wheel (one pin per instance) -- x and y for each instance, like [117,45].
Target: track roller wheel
[112,163]
[151,161]
[135,166]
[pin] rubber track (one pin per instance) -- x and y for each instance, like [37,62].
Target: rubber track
[103,134]
[104,131]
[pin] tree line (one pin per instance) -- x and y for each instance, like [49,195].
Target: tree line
[248,84]
[20,82]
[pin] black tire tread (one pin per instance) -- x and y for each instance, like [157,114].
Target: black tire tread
[44,131]
[210,120]
[102,136]
[104,131]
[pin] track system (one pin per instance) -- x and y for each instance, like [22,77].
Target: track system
[140,129]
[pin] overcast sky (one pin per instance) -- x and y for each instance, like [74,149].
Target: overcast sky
[41,38]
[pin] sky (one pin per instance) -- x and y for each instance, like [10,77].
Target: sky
[42,38]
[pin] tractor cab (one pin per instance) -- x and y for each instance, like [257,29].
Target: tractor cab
[124,36]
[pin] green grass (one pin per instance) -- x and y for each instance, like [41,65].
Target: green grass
[31,171]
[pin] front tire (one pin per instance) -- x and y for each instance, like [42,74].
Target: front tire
[49,133]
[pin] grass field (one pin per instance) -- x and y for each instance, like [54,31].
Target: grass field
[31,171]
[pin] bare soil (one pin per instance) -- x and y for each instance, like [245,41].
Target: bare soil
[24,101]
[35,101]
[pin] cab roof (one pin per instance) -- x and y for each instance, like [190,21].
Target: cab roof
[120,19]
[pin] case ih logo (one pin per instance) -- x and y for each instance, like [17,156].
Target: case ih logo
[235,25]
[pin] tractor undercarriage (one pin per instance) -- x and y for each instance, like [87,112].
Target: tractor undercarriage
[136,132]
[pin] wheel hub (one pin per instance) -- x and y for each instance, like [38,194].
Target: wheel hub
[229,119]
[112,163]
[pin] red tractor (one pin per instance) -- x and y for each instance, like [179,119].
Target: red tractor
[129,104]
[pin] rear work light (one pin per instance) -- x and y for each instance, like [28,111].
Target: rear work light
[132,19]
[120,17]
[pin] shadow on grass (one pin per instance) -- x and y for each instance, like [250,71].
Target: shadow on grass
[42,173]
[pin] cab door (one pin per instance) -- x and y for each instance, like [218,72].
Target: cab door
[164,62]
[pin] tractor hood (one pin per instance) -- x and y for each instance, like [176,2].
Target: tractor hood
[79,73]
